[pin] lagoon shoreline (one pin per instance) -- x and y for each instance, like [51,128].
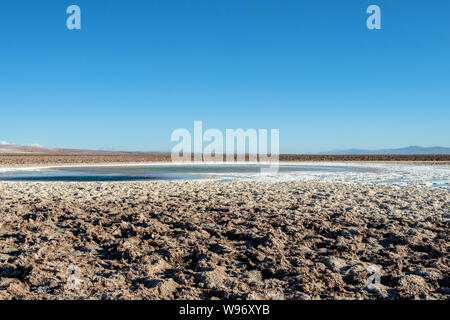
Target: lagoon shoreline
[45,160]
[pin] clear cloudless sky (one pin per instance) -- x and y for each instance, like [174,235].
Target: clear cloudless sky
[139,69]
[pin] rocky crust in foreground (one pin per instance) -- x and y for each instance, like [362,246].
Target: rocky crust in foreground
[210,240]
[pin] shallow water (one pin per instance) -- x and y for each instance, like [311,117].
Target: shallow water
[154,172]
[398,175]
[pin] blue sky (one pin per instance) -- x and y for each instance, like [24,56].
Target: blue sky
[140,69]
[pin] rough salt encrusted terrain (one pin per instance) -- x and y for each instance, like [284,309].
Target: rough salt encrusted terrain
[235,240]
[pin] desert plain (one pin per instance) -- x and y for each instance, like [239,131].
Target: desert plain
[222,240]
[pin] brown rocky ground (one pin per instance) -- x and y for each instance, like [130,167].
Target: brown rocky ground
[212,240]
[24,160]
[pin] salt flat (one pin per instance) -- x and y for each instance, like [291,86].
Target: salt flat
[226,240]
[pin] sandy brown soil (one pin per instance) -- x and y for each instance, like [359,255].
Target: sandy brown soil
[26,160]
[208,240]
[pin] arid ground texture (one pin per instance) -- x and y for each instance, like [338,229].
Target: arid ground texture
[219,240]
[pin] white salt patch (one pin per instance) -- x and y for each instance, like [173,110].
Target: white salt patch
[400,175]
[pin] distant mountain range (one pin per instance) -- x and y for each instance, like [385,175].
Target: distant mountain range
[13,149]
[407,150]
